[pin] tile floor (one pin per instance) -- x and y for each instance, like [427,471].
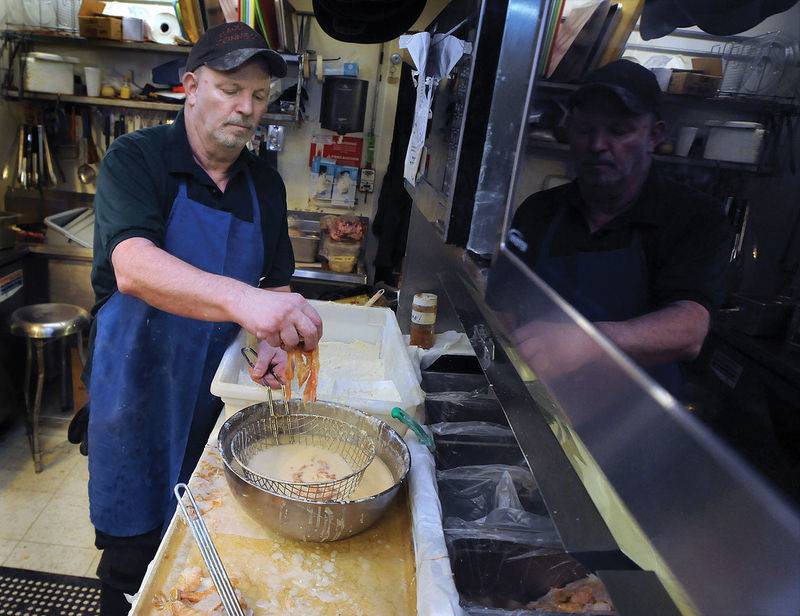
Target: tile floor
[44,517]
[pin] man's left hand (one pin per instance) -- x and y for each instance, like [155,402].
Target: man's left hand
[270,367]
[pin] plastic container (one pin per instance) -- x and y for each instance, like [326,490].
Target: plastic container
[442,382]
[423,320]
[72,226]
[455,406]
[499,551]
[502,571]
[342,323]
[330,248]
[471,492]
[342,264]
[49,72]
[304,247]
[470,443]
[735,142]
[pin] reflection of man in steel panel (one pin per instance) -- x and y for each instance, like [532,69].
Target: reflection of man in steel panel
[639,255]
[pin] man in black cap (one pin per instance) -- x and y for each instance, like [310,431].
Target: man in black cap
[639,255]
[189,225]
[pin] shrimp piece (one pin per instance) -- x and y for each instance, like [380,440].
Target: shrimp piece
[178,608]
[160,601]
[289,375]
[304,364]
[310,391]
[189,579]
[194,596]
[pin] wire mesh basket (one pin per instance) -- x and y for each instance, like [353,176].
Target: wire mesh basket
[351,443]
[52,16]
[763,66]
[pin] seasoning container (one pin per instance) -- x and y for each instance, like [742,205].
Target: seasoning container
[423,319]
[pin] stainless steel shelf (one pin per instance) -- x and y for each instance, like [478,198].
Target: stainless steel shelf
[284,119]
[79,41]
[329,276]
[562,149]
[737,102]
[46,38]
[97,101]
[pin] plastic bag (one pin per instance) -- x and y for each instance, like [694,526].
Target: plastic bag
[458,406]
[482,430]
[344,228]
[508,556]
[505,520]
[462,398]
[453,382]
[470,492]
[467,443]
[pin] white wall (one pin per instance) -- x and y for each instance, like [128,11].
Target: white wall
[293,161]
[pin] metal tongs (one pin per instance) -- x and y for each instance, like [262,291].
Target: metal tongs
[251,356]
[209,552]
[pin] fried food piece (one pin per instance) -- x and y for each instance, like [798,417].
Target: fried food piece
[582,596]
[305,364]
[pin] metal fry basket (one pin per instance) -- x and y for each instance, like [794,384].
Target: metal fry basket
[268,430]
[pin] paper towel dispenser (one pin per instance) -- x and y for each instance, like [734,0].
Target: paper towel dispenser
[344,103]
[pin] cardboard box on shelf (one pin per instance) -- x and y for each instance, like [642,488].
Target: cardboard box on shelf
[93,24]
[704,79]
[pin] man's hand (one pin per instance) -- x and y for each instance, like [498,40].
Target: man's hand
[278,318]
[151,274]
[554,349]
[270,367]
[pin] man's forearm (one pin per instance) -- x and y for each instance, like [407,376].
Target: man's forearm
[674,333]
[172,285]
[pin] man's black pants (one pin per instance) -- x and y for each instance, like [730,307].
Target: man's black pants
[122,567]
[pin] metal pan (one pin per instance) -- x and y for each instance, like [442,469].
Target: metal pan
[311,520]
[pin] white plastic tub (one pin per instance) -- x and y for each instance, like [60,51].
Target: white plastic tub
[48,72]
[346,324]
[735,142]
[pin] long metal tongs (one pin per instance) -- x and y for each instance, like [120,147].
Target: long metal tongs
[251,356]
[210,555]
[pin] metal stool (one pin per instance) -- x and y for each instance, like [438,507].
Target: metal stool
[42,324]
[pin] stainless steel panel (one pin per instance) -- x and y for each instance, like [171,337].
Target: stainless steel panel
[730,541]
[519,55]
[328,276]
[426,257]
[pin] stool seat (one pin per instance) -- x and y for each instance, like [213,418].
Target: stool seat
[48,320]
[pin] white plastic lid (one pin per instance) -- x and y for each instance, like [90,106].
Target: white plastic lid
[425,299]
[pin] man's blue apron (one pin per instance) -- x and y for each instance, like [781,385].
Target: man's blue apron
[604,286]
[152,410]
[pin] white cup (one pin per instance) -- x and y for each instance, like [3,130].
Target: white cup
[686,136]
[92,80]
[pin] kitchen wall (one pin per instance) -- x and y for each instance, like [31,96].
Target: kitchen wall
[293,161]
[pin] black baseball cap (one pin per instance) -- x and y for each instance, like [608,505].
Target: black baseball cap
[635,86]
[229,45]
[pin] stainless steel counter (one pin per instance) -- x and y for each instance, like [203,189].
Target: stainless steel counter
[312,274]
[62,273]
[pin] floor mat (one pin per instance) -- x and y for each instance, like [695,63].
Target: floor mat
[34,593]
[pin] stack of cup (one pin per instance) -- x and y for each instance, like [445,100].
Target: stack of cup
[92,74]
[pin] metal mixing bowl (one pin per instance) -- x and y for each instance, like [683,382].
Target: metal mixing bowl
[312,520]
